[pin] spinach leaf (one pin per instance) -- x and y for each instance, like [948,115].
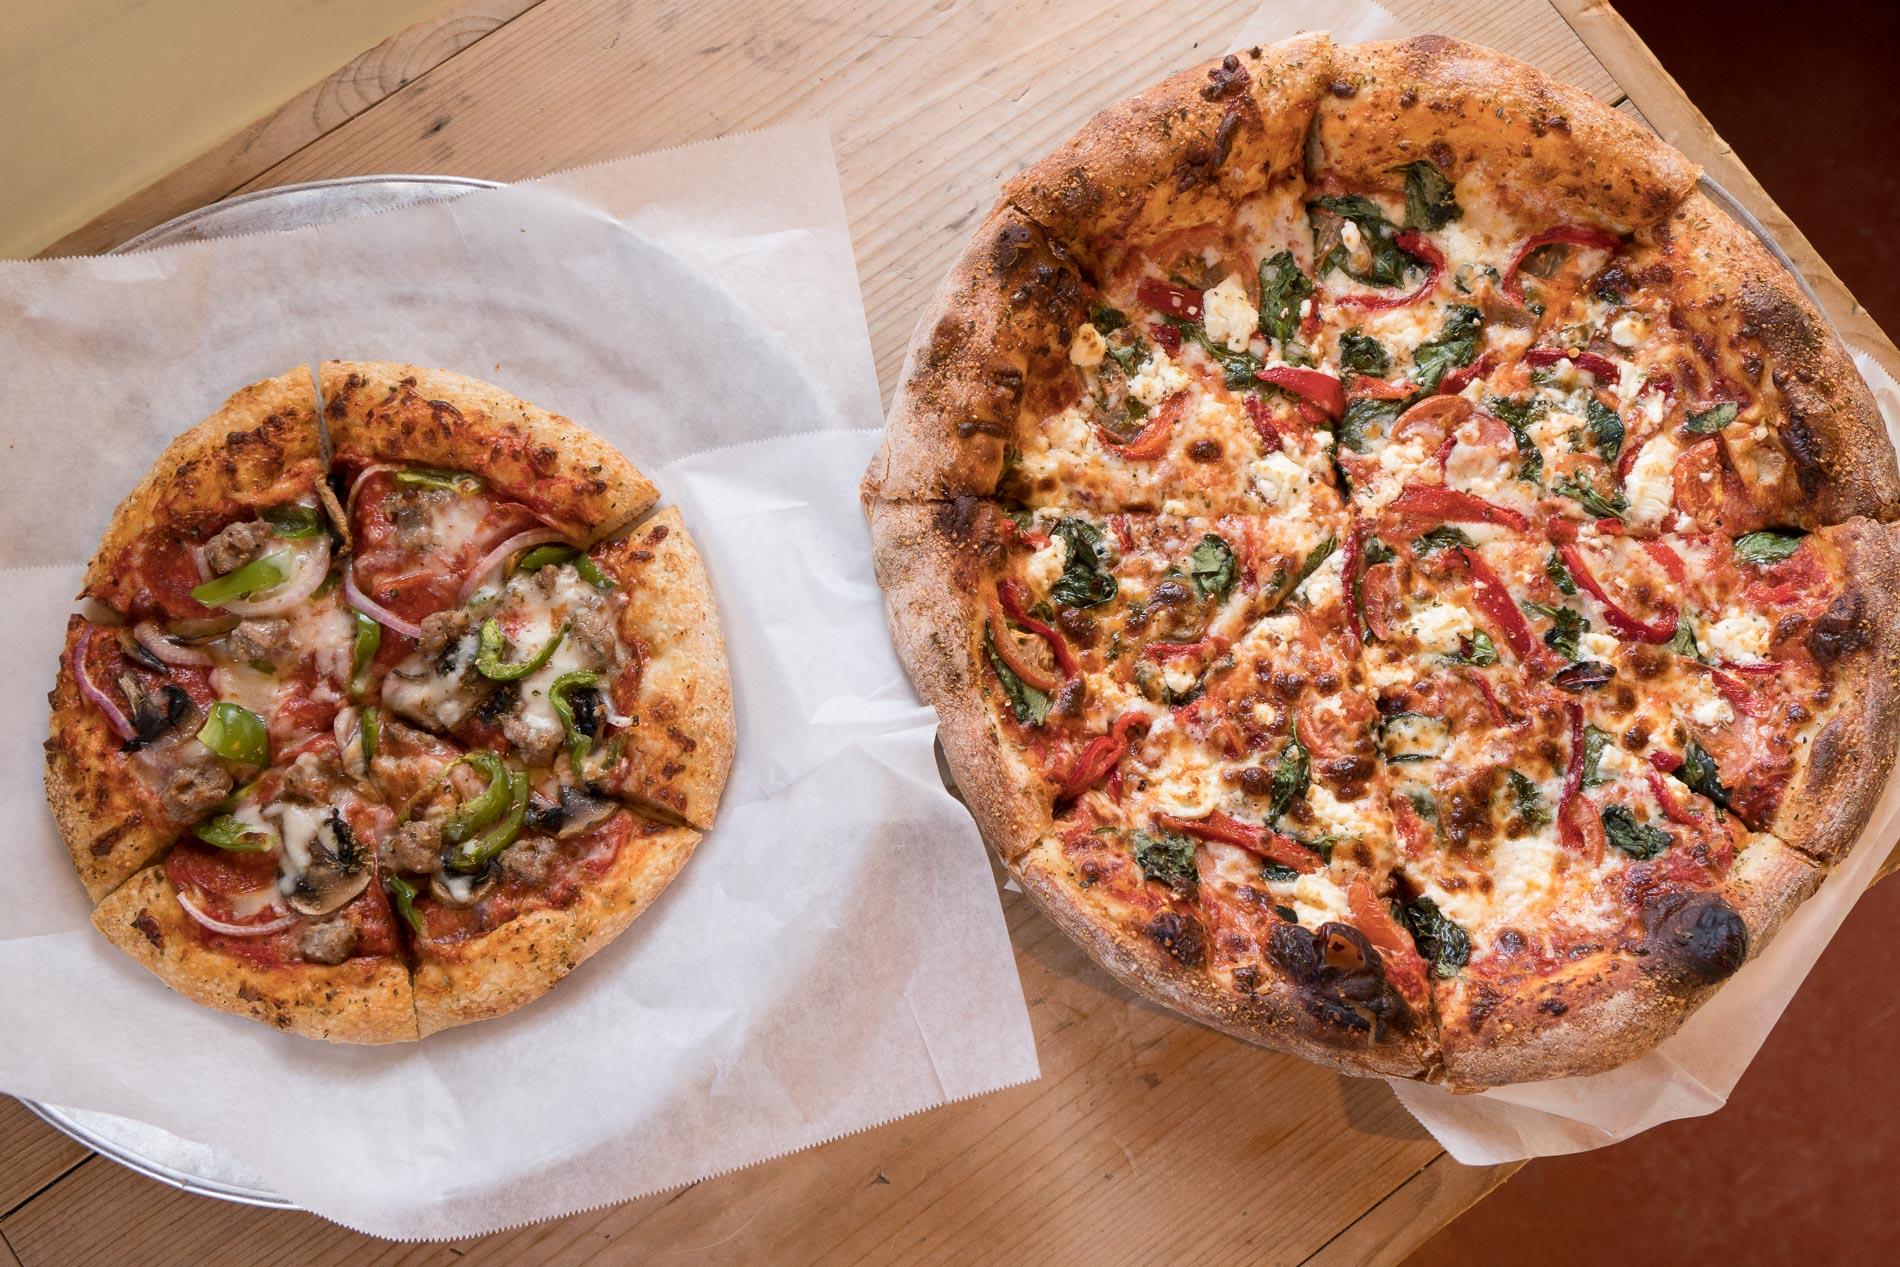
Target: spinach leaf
[1770,545]
[1412,737]
[1559,574]
[1442,943]
[1594,742]
[1086,580]
[1477,650]
[1130,358]
[1167,858]
[1238,369]
[1292,775]
[1443,537]
[1213,567]
[1314,557]
[1698,774]
[1518,415]
[1529,805]
[1606,428]
[1361,414]
[1030,705]
[1456,344]
[1567,628]
[1377,552]
[1710,421]
[1363,353]
[1684,643]
[1582,489]
[1639,840]
[1282,288]
[1106,319]
[1275,873]
[1428,197]
[1387,264]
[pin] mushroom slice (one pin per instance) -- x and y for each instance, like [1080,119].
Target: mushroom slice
[581,811]
[339,869]
[461,890]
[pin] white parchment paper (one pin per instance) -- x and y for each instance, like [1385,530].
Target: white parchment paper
[1693,1072]
[832,957]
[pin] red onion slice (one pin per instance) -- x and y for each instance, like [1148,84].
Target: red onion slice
[307,570]
[103,702]
[503,552]
[149,635]
[374,610]
[236,930]
[349,503]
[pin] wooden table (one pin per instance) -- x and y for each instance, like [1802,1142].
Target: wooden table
[1119,1152]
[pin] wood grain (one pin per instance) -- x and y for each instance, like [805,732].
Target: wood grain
[388,68]
[32,1155]
[1402,1222]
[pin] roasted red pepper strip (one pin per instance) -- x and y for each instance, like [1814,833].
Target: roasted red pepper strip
[1102,754]
[1011,655]
[1570,234]
[1395,946]
[1462,377]
[1602,368]
[1731,689]
[1414,245]
[1262,419]
[1322,390]
[1766,668]
[1569,833]
[1496,601]
[1261,840]
[1015,598]
[1624,623]
[1674,810]
[1377,389]
[1667,762]
[1170,301]
[1152,440]
[1449,505]
[1668,560]
[1483,684]
[1349,570]
[1167,337]
[1169,650]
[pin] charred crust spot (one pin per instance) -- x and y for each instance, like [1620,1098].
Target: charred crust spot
[657,534]
[1840,631]
[1226,79]
[108,840]
[1553,1007]
[148,927]
[1694,940]
[1204,451]
[685,742]
[1181,936]
[1338,976]
[1343,88]
[1805,447]
[1408,99]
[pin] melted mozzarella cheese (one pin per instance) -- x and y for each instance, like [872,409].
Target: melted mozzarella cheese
[416,691]
[1159,379]
[1323,586]
[1228,316]
[1438,627]
[1278,479]
[1317,900]
[1088,347]
[1596,645]
[1044,568]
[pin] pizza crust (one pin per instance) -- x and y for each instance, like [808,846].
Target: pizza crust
[1844,464]
[259,449]
[679,750]
[935,562]
[1180,154]
[1465,107]
[1823,813]
[1609,1008]
[510,966]
[111,822]
[575,481]
[365,1000]
[1272,1016]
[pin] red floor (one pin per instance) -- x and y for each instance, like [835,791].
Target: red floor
[1803,1166]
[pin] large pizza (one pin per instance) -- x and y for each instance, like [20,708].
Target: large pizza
[379,728]
[1405,579]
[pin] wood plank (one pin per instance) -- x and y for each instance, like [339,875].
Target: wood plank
[389,67]
[1402,1222]
[32,1154]
[7,1257]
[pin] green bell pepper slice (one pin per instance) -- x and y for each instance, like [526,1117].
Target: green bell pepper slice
[236,734]
[486,807]
[479,852]
[577,743]
[259,574]
[542,556]
[293,522]
[403,894]
[227,831]
[369,637]
[488,661]
[372,731]
[436,477]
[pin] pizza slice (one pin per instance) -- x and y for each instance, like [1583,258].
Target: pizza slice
[1154,719]
[270,907]
[506,877]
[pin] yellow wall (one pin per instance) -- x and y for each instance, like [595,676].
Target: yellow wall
[98,98]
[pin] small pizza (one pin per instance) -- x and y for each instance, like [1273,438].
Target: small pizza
[369,749]
[1404,578]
